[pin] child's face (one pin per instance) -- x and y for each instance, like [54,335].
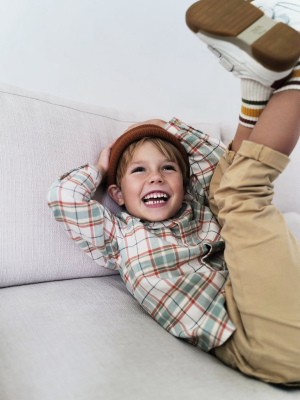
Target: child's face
[150,172]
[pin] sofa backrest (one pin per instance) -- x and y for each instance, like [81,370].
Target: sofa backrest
[41,138]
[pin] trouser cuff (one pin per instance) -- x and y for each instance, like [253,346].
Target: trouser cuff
[264,154]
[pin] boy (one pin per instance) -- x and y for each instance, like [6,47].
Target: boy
[169,245]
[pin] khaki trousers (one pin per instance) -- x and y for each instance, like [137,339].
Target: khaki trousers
[263,259]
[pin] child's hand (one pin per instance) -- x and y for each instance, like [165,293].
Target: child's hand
[103,162]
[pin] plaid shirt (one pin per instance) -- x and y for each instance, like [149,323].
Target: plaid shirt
[174,268]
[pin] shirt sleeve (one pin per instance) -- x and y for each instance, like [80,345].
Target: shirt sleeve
[204,154]
[92,226]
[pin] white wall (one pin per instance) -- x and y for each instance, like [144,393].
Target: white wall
[131,55]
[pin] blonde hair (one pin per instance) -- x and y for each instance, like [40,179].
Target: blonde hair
[166,148]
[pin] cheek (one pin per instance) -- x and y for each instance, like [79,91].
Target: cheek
[131,192]
[179,185]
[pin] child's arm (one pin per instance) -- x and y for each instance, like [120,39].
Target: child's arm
[92,226]
[204,154]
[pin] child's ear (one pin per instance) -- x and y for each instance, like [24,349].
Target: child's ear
[116,194]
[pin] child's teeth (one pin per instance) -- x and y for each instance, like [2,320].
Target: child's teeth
[155,202]
[161,198]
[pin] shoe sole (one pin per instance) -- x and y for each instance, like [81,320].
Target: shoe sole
[275,45]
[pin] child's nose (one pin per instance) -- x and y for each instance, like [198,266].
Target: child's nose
[156,177]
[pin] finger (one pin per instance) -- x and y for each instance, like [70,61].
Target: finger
[113,142]
[134,126]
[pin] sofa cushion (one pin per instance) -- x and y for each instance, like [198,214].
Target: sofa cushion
[41,138]
[89,339]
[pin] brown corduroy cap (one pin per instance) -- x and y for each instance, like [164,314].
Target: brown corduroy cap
[135,134]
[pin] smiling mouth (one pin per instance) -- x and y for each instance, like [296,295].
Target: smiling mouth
[156,202]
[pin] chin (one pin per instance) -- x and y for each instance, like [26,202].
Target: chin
[159,218]
[154,216]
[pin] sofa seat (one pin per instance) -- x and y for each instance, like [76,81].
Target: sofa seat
[88,339]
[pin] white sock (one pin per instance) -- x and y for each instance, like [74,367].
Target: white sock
[255,97]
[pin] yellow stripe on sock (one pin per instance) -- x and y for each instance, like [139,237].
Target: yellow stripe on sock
[296,74]
[250,112]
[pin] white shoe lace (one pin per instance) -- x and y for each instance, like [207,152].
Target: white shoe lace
[270,12]
[276,12]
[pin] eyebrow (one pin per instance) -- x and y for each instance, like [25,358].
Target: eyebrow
[142,161]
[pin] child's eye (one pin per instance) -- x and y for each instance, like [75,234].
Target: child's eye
[169,167]
[137,169]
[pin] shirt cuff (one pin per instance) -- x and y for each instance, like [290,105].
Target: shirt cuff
[95,173]
[175,125]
